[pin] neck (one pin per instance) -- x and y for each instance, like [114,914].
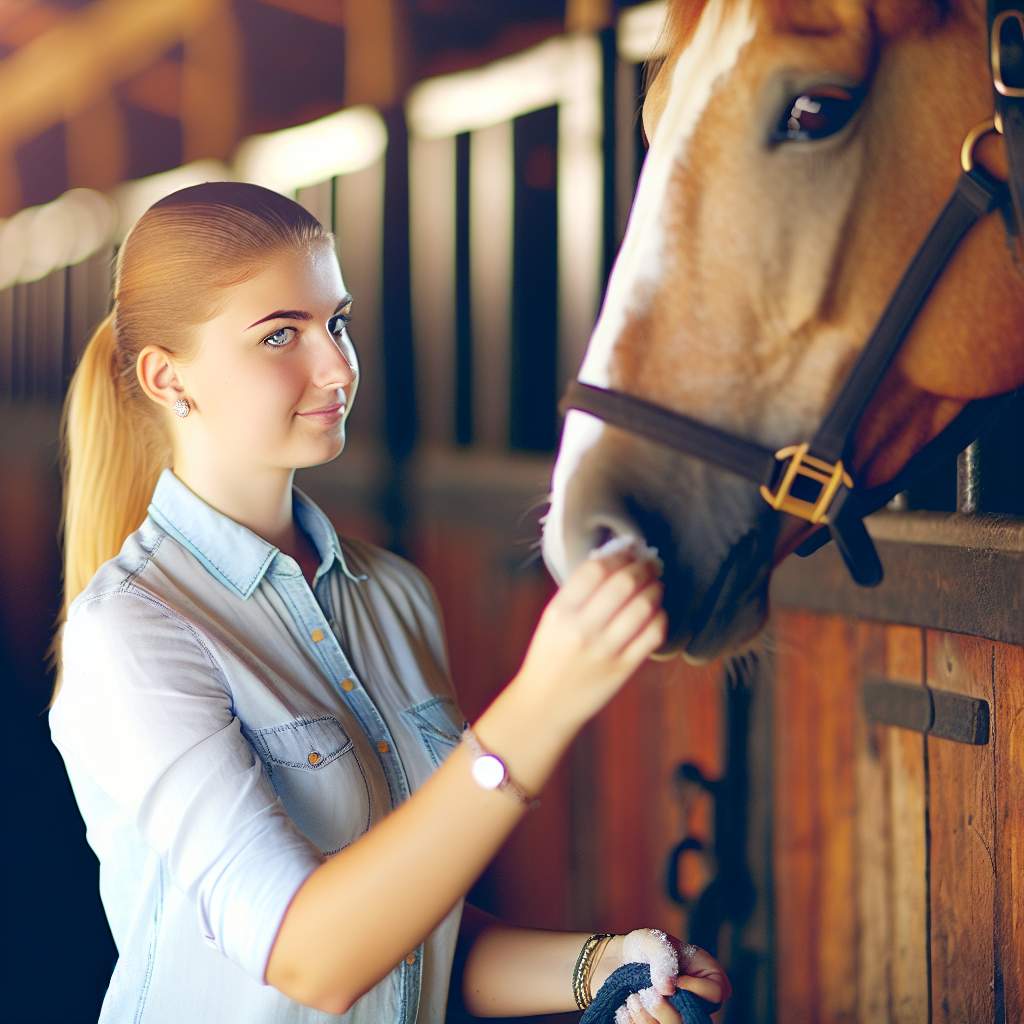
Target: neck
[259,501]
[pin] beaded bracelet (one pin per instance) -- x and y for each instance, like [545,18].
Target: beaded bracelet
[581,972]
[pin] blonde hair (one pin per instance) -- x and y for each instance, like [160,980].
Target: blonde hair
[170,275]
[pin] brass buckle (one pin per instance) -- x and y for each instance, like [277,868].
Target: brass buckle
[974,136]
[830,476]
[1010,91]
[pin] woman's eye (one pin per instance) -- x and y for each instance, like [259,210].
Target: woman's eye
[338,322]
[817,115]
[271,342]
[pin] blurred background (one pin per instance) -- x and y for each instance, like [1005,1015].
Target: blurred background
[477,162]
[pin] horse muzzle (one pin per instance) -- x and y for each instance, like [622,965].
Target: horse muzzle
[715,538]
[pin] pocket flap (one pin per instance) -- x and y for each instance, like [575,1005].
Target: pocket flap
[306,743]
[437,716]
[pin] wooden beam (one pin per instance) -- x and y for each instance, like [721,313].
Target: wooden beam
[97,149]
[212,85]
[942,570]
[158,89]
[23,21]
[587,15]
[328,12]
[70,67]
[377,56]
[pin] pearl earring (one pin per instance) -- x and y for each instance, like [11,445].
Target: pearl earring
[181,407]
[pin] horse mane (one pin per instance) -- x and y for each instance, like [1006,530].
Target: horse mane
[680,21]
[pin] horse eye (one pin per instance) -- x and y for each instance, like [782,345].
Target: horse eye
[816,115]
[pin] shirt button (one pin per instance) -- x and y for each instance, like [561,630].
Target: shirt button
[317,635]
[411,958]
[313,758]
[383,747]
[347,684]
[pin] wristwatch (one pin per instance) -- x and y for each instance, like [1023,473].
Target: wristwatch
[490,771]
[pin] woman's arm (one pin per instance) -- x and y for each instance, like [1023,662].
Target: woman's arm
[503,970]
[359,913]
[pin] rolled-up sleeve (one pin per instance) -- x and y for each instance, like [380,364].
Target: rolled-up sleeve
[145,710]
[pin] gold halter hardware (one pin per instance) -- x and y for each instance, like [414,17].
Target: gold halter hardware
[830,477]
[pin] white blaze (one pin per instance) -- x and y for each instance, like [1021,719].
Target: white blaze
[713,49]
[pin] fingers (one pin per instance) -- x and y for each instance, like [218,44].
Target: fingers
[614,593]
[647,1007]
[633,617]
[706,988]
[590,574]
[705,977]
[648,640]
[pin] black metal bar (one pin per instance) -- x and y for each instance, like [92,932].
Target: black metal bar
[939,713]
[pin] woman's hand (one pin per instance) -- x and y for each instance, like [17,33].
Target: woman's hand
[673,963]
[603,623]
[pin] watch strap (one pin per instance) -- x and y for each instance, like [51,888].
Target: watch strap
[507,782]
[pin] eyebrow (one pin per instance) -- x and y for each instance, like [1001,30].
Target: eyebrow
[297,314]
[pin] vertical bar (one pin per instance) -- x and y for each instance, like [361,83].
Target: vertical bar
[396,317]
[581,195]
[968,480]
[7,343]
[432,242]
[358,218]
[538,281]
[463,304]
[491,217]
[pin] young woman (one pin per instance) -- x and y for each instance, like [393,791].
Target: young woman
[257,720]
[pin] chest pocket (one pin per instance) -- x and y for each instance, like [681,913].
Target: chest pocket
[316,772]
[439,724]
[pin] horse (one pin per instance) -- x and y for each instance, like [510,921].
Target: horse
[798,152]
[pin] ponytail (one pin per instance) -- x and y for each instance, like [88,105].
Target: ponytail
[110,465]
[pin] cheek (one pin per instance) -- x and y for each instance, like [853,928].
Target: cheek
[263,392]
[958,347]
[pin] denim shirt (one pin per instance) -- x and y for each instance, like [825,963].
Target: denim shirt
[225,728]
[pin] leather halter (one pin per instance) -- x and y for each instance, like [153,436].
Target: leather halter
[817,469]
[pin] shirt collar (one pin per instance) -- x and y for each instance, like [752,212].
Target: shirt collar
[233,553]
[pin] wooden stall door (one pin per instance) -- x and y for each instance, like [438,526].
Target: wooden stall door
[897,854]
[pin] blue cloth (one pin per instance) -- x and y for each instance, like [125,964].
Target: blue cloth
[630,978]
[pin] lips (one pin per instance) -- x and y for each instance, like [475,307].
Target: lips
[327,408]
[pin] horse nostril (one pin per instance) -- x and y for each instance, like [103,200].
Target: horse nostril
[600,536]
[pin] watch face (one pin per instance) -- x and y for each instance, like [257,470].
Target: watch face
[488,771]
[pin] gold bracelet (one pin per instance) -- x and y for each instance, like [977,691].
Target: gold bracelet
[581,972]
[598,953]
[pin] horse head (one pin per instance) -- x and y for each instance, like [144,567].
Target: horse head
[799,152]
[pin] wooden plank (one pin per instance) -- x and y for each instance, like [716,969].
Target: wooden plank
[908,851]
[815,799]
[962,837]
[797,861]
[835,661]
[1008,741]
[686,726]
[625,779]
[874,845]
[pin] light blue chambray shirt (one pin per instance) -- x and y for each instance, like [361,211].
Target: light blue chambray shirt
[225,728]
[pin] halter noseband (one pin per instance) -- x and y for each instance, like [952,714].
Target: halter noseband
[810,480]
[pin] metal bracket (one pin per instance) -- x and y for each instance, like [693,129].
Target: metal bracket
[940,713]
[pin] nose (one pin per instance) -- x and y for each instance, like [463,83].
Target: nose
[339,367]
